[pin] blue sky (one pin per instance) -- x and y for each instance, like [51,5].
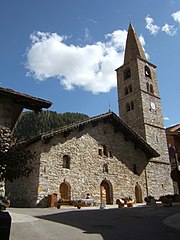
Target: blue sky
[66,51]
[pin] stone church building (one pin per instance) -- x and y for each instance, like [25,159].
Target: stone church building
[106,154]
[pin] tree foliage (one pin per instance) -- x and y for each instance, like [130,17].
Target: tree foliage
[33,124]
[15,161]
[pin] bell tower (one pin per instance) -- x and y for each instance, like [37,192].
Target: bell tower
[139,100]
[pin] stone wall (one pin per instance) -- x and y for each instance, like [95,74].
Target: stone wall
[86,171]
[5,139]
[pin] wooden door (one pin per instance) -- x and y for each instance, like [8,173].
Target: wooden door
[138,194]
[105,192]
[64,191]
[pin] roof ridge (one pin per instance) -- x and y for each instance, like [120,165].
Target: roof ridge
[119,125]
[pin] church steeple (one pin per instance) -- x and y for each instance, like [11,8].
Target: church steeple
[133,46]
[140,107]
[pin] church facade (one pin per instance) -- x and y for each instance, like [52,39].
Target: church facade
[119,156]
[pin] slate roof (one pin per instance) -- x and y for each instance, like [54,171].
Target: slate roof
[133,46]
[118,123]
[27,101]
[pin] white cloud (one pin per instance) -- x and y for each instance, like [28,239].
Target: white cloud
[142,41]
[150,26]
[91,67]
[169,29]
[176,16]
[87,35]
[166,119]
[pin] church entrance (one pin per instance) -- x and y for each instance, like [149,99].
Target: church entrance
[65,191]
[138,193]
[106,192]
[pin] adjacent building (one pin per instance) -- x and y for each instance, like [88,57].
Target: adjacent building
[173,139]
[12,104]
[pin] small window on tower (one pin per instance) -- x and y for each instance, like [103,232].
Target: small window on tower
[151,89]
[128,108]
[147,86]
[147,72]
[132,105]
[127,73]
[130,88]
[126,91]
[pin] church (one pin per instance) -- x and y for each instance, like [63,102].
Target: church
[105,156]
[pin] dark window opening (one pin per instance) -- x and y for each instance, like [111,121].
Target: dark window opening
[130,88]
[147,72]
[128,108]
[151,89]
[147,86]
[105,150]
[127,73]
[100,152]
[126,91]
[132,105]
[105,168]
[66,161]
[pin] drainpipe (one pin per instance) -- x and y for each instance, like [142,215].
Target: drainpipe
[147,193]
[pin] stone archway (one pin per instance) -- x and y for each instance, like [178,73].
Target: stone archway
[106,191]
[65,191]
[138,193]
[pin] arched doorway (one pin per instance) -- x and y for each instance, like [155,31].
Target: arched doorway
[65,191]
[138,193]
[106,191]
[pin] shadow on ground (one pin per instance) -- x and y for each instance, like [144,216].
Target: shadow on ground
[116,224]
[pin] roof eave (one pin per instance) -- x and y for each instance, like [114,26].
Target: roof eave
[27,101]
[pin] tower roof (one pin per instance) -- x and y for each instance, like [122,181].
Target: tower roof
[133,46]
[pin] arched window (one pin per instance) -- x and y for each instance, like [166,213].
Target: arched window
[127,73]
[147,86]
[151,89]
[66,161]
[126,91]
[147,71]
[130,88]
[128,108]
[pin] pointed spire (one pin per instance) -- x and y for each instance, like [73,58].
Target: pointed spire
[133,46]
